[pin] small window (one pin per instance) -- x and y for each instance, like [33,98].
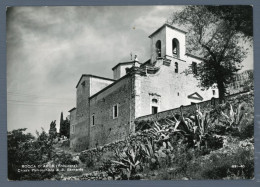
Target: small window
[73,129]
[154,109]
[115,111]
[176,67]
[213,92]
[93,119]
[175,47]
[178,94]
[158,48]
[154,101]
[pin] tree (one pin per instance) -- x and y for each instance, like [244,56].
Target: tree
[18,144]
[240,15]
[64,126]
[25,149]
[218,40]
[61,121]
[53,130]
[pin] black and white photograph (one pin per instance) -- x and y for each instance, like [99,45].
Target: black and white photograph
[130,92]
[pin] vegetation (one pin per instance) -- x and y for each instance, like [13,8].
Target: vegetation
[26,151]
[216,143]
[239,16]
[32,158]
[216,33]
[213,144]
[64,127]
[53,130]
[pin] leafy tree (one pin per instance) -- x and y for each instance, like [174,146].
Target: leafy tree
[240,16]
[218,40]
[53,130]
[25,149]
[18,143]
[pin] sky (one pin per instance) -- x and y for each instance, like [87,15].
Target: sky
[49,48]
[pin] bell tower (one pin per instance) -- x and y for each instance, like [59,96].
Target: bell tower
[168,42]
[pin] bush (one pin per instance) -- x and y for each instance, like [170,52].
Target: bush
[25,149]
[65,158]
[247,131]
[215,142]
[88,160]
[220,165]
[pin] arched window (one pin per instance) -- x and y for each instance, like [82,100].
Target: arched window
[175,48]
[154,101]
[158,48]
[176,67]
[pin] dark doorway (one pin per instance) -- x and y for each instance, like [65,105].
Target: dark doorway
[154,109]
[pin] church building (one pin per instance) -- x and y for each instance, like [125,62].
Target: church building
[107,108]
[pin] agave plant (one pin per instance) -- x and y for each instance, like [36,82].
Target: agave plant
[186,127]
[129,161]
[202,121]
[194,128]
[234,117]
[159,131]
[149,150]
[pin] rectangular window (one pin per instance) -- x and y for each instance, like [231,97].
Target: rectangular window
[176,67]
[93,119]
[214,92]
[115,111]
[154,109]
[73,129]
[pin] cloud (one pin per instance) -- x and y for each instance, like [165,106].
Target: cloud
[48,48]
[151,21]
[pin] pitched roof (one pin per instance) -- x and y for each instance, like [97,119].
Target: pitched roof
[122,63]
[168,25]
[89,75]
[72,109]
[195,96]
[108,86]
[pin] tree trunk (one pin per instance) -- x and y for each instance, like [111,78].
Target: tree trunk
[221,90]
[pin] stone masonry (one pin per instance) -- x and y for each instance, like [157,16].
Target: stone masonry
[107,108]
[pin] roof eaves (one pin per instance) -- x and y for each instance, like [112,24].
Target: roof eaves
[72,109]
[89,75]
[122,63]
[168,25]
[110,85]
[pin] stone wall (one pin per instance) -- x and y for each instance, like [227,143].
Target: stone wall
[190,109]
[80,137]
[235,99]
[87,86]
[105,128]
[170,88]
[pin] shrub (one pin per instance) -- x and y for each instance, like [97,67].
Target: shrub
[219,165]
[65,158]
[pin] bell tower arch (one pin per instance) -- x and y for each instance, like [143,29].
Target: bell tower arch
[168,42]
